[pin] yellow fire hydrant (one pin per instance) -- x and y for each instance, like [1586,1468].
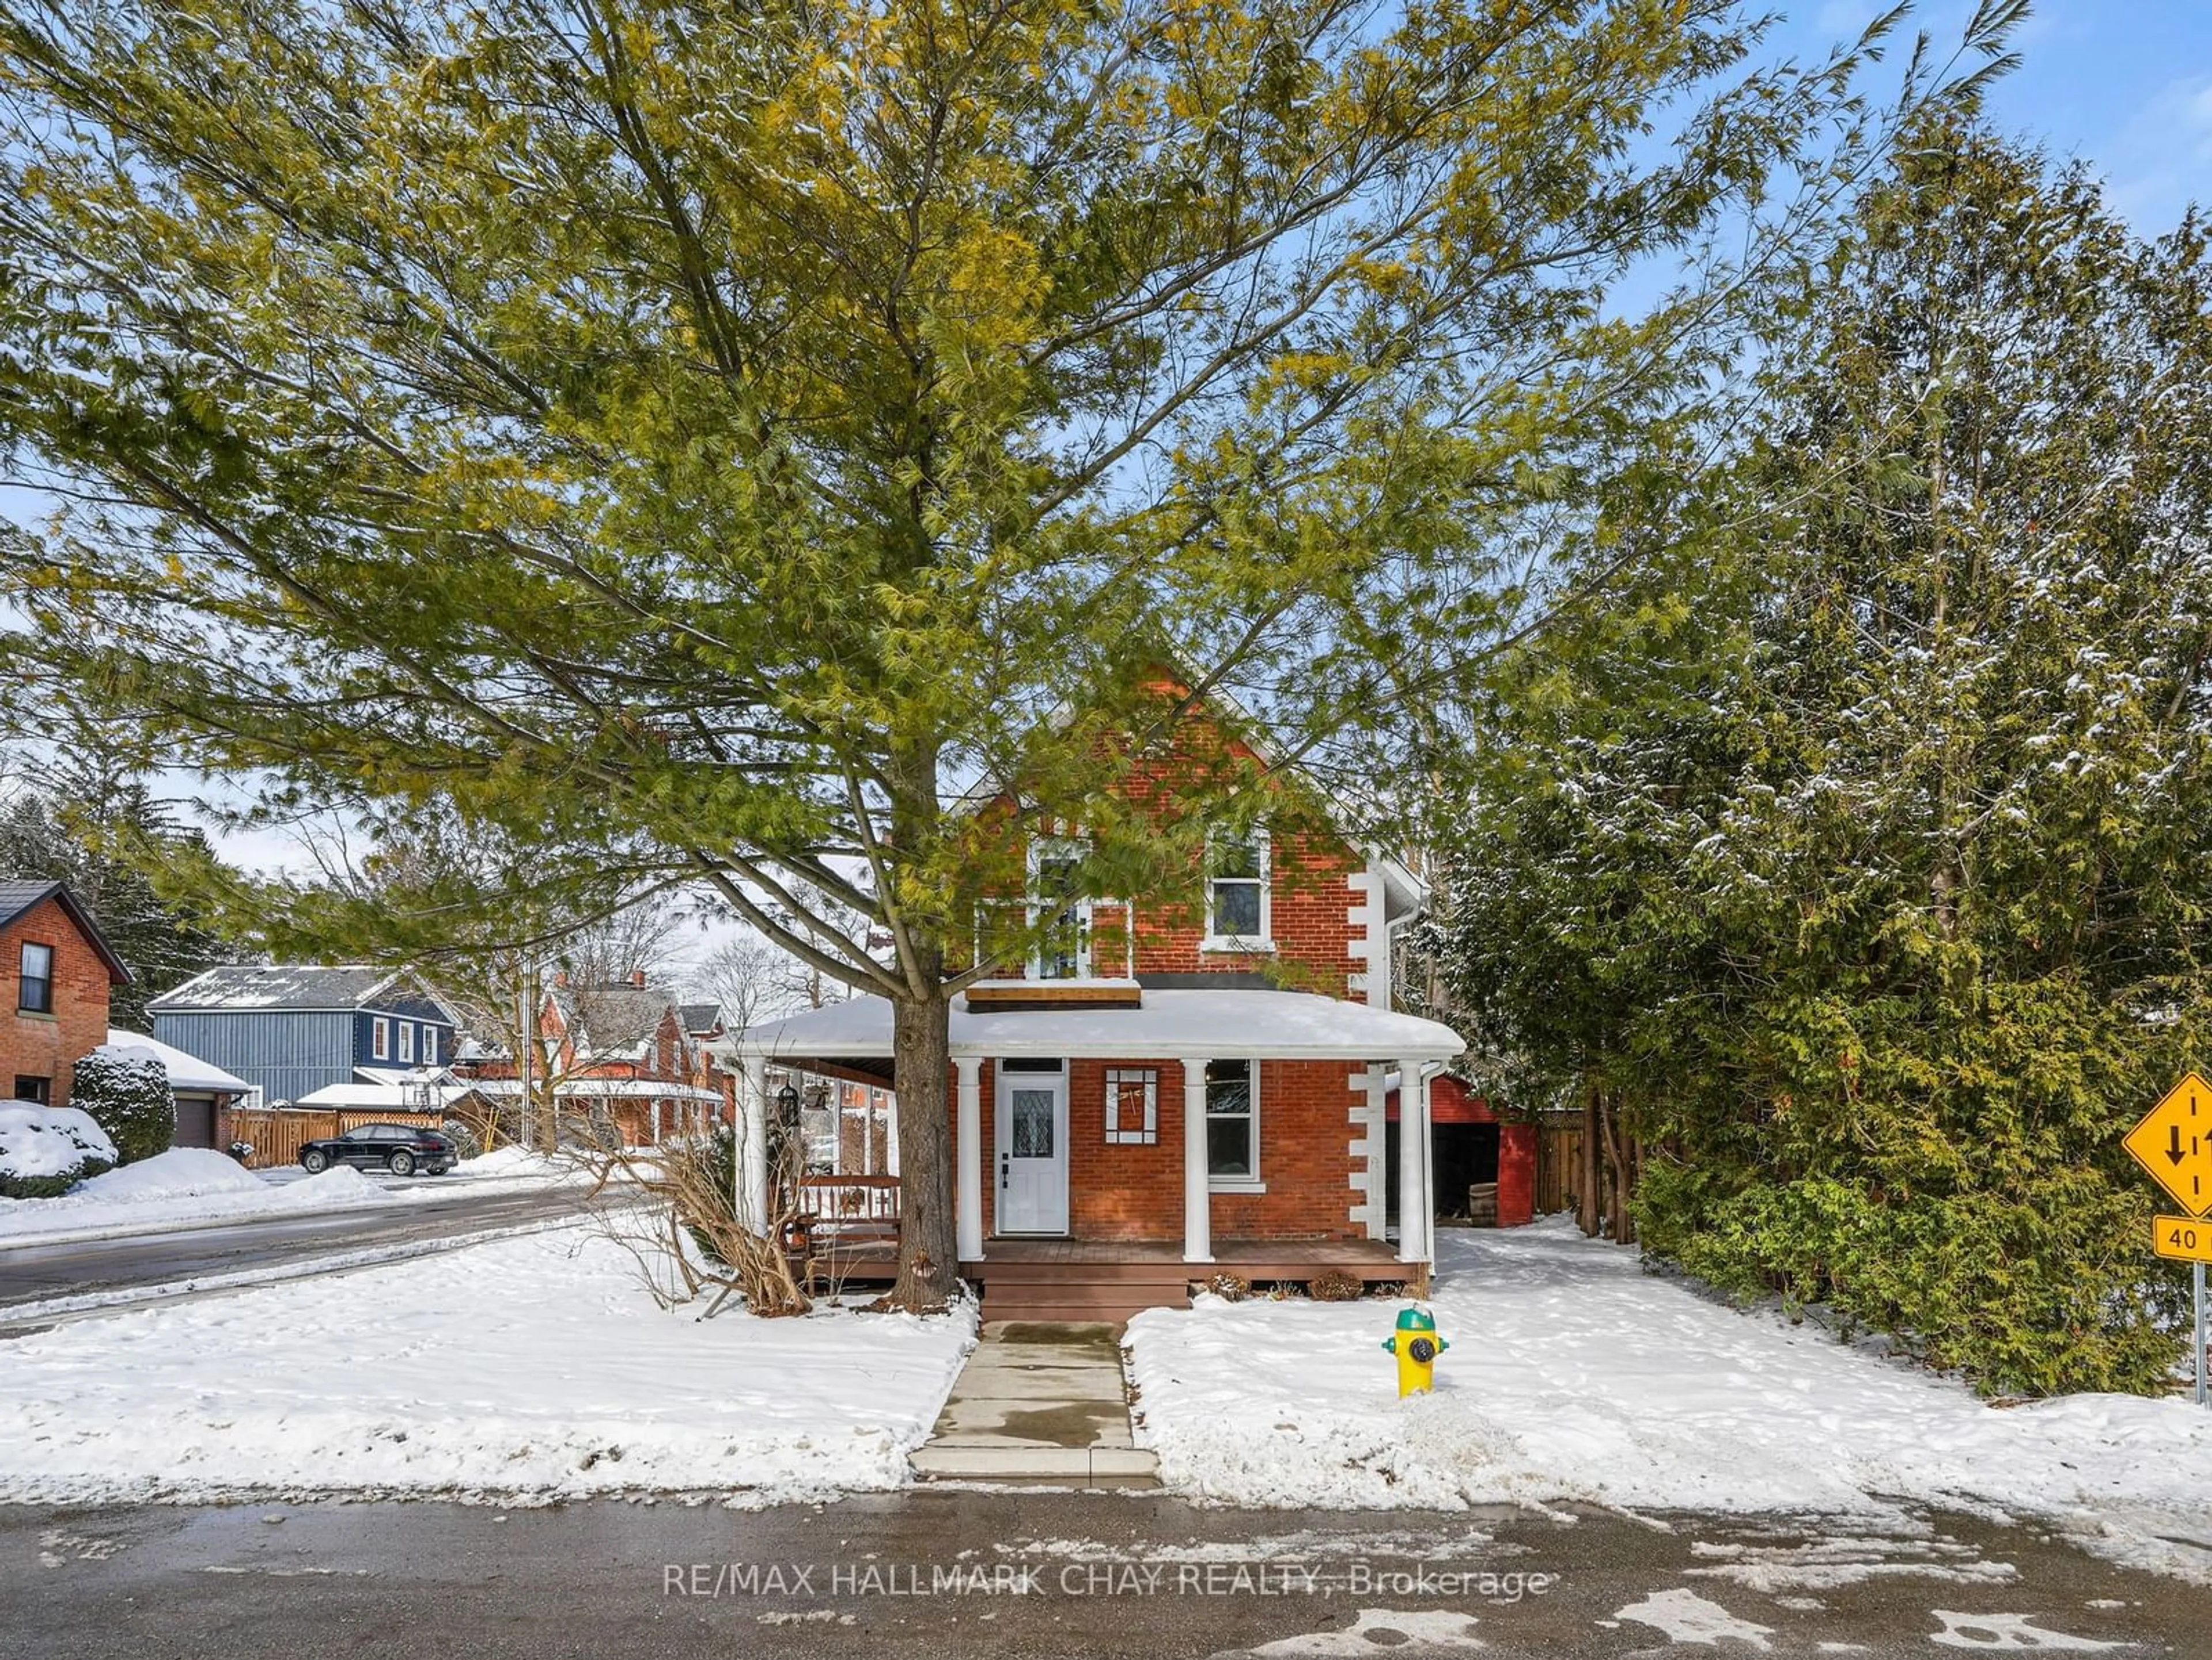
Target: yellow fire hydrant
[1417,1346]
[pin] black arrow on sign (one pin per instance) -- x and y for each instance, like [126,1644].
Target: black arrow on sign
[2173,1148]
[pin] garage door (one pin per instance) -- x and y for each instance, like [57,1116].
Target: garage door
[195,1122]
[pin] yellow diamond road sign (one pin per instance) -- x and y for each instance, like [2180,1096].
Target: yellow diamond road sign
[2174,1143]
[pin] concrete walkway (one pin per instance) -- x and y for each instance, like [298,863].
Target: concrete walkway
[1039,1401]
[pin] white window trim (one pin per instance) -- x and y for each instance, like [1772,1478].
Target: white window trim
[1256,1181]
[380,1039]
[1035,910]
[1146,1134]
[429,1046]
[407,1041]
[1265,939]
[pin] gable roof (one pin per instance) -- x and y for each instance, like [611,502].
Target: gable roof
[701,1018]
[1404,894]
[617,1018]
[17,898]
[241,987]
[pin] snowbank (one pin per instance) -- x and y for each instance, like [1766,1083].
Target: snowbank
[1573,1375]
[180,1173]
[37,1140]
[183,1185]
[531,1369]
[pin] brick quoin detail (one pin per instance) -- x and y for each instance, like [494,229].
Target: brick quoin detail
[50,1046]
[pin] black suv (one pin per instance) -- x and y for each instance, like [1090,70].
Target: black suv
[400,1148]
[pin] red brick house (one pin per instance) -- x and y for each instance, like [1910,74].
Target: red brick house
[1146,1100]
[62,971]
[624,1054]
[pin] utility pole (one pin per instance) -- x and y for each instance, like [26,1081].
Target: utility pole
[523,1044]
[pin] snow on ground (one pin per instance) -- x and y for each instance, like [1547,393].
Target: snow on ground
[529,1370]
[1575,1375]
[189,1185]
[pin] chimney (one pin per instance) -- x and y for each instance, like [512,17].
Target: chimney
[637,978]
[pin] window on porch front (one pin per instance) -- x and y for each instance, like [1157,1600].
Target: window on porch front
[1232,1122]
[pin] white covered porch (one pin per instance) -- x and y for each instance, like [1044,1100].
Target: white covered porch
[1192,1028]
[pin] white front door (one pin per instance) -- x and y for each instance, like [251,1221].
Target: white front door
[1032,1144]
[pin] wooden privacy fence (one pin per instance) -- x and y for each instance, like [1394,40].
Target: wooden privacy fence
[1559,1164]
[278,1133]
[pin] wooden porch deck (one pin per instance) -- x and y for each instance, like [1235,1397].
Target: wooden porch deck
[1103,1279]
[1110,1280]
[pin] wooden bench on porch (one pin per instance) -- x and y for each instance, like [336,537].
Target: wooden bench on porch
[845,1228]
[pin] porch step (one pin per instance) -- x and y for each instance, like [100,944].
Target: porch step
[1102,1273]
[1063,1311]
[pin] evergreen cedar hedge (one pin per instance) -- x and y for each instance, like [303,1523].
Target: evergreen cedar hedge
[1864,848]
[128,1095]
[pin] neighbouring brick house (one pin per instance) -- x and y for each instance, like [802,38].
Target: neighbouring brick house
[62,972]
[622,1055]
[704,1023]
[1177,1083]
[867,1129]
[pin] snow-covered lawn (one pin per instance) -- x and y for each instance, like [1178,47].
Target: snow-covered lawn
[1573,1375]
[189,1185]
[527,1370]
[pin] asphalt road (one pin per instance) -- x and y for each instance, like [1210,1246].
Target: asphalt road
[32,1272]
[961,1572]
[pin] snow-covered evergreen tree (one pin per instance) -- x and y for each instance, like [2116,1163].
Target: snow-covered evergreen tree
[1866,873]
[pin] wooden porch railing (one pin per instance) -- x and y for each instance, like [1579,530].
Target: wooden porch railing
[854,1203]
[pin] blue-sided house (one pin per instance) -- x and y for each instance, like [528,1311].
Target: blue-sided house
[290,1030]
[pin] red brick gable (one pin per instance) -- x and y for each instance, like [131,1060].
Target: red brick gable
[1316,879]
[49,1045]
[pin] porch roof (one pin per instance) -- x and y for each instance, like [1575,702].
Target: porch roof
[1273,1025]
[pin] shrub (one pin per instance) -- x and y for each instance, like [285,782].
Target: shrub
[718,1162]
[127,1092]
[1229,1287]
[1337,1285]
[465,1144]
[46,1150]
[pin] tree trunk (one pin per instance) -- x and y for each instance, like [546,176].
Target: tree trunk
[929,1266]
[1586,1201]
[1621,1225]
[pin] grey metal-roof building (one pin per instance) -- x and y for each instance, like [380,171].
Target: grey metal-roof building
[291,1029]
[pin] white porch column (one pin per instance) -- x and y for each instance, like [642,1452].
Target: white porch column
[1413,1163]
[752,1145]
[1197,1197]
[967,1213]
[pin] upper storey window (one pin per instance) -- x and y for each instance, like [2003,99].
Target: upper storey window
[1237,904]
[1063,946]
[34,980]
